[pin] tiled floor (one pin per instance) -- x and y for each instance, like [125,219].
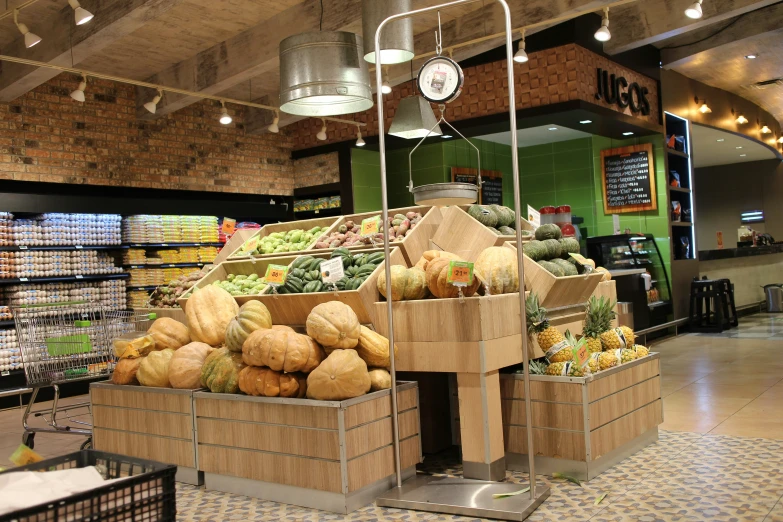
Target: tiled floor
[719,457]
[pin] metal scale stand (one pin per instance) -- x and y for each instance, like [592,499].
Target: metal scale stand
[454,496]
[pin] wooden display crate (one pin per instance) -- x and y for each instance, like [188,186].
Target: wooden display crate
[555,292]
[331,455]
[234,243]
[414,244]
[582,426]
[148,423]
[306,224]
[461,234]
[173,313]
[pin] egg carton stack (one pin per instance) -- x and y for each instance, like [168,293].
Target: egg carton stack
[142,229]
[68,229]
[6,229]
[134,256]
[10,355]
[55,263]
[109,295]
[5,312]
[207,254]
[189,254]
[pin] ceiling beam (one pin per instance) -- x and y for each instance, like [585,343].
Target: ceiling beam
[679,50]
[651,21]
[66,44]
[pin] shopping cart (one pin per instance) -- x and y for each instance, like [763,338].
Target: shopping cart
[68,342]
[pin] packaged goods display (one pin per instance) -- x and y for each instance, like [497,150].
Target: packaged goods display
[5,313]
[166,296]
[109,294]
[56,263]
[61,230]
[349,232]
[10,356]
[157,229]
[290,241]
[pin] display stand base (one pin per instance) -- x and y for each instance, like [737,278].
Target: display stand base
[189,476]
[457,496]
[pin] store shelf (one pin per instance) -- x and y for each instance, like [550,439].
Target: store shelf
[166,245]
[167,265]
[11,373]
[62,279]
[6,324]
[677,153]
[656,304]
[680,189]
[324,212]
[681,224]
[23,248]
[143,288]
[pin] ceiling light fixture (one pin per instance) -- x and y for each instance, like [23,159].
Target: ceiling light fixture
[739,147]
[78,94]
[152,105]
[743,155]
[694,11]
[585,122]
[414,119]
[766,130]
[721,140]
[30,39]
[629,133]
[741,120]
[780,140]
[225,119]
[552,128]
[274,127]
[359,141]
[81,15]
[445,136]
[704,109]
[751,56]
[322,133]
[386,86]
[521,55]
[603,34]
[397,38]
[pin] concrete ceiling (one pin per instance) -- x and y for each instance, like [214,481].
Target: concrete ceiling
[537,135]
[716,147]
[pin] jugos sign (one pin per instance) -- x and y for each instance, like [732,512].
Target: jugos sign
[615,90]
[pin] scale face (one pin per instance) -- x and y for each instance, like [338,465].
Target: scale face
[440,80]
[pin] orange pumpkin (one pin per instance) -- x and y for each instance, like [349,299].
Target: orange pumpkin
[334,325]
[437,282]
[343,375]
[169,333]
[282,351]
[185,366]
[209,311]
[265,382]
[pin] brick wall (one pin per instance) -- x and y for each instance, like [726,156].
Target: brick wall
[551,76]
[48,137]
[316,170]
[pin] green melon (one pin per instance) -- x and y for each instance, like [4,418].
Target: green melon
[569,245]
[550,231]
[507,231]
[527,233]
[568,268]
[553,248]
[535,250]
[483,215]
[495,230]
[552,268]
[505,215]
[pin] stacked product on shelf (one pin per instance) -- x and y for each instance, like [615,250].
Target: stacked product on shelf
[166,296]
[55,263]
[107,294]
[6,229]
[146,277]
[157,229]
[10,357]
[138,299]
[134,256]
[66,229]
[6,314]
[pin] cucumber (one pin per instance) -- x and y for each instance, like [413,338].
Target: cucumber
[302,261]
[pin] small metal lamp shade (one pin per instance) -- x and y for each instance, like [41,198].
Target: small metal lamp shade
[324,74]
[397,38]
[445,194]
[414,119]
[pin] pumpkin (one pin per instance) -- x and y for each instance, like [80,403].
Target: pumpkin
[186,364]
[209,311]
[125,371]
[373,348]
[265,382]
[429,255]
[283,328]
[343,375]
[169,333]
[380,379]
[154,369]
[282,351]
[333,325]
[252,316]
[132,345]
[437,273]
[498,269]
[407,283]
[220,372]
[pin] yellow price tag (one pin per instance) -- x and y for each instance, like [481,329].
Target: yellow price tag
[24,456]
[581,355]
[276,274]
[460,273]
[250,246]
[579,258]
[371,226]
[229,225]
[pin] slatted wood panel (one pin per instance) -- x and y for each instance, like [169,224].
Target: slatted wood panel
[551,443]
[174,425]
[377,408]
[152,447]
[323,444]
[563,392]
[616,433]
[302,472]
[368,437]
[462,235]
[623,379]
[545,414]
[270,413]
[475,435]
[374,466]
[621,403]
[141,400]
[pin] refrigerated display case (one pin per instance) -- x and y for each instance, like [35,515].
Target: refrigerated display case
[637,265]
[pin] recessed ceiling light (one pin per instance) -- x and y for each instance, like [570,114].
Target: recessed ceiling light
[585,122]
[552,128]
[743,155]
[627,133]
[751,57]
[722,139]
[444,136]
[739,147]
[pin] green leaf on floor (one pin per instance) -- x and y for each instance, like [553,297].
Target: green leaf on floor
[513,494]
[599,499]
[566,477]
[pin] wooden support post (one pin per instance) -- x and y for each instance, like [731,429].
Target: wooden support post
[481,426]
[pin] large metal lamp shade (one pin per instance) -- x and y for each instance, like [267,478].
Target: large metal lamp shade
[324,74]
[414,119]
[397,38]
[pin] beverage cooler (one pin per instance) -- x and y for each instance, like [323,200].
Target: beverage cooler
[637,265]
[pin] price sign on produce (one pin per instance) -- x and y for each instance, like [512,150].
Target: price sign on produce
[582,261]
[371,226]
[276,274]
[581,355]
[460,273]
[229,225]
[250,246]
[332,270]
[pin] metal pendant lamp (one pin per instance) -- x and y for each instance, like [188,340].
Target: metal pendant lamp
[397,39]
[324,74]
[414,119]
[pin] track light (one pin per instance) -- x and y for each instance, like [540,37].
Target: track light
[694,11]
[30,39]
[78,94]
[741,119]
[704,108]
[273,127]
[152,106]
[81,15]
[386,86]
[322,134]
[603,34]
[225,119]
[766,130]
[359,140]
[521,55]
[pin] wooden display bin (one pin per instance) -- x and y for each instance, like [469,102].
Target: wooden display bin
[331,455]
[173,313]
[306,224]
[414,244]
[234,243]
[582,426]
[148,423]
[461,234]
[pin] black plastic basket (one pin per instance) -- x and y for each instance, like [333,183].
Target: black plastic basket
[147,494]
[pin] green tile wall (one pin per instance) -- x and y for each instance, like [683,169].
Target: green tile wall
[366,171]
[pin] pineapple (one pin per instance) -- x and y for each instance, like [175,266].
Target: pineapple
[595,365]
[615,339]
[607,360]
[574,345]
[537,367]
[558,368]
[630,338]
[626,355]
[641,351]
[599,316]
[549,338]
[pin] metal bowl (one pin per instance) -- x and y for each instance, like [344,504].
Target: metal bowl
[446,194]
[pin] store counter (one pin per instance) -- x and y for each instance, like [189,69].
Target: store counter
[749,269]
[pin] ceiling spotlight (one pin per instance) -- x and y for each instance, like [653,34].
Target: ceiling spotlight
[743,155]
[78,94]
[225,119]
[766,130]
[445,136]
[585,122]
[359,140]
[629,133]
[552,128]
[741,119]
[694,11]
[322,133]
[30,39]
[721,140]
[738,147]
[81,14]
[704,109]
[274,126]
[751,56]
[603,34]
[521,55]
[386,88]
[152,105]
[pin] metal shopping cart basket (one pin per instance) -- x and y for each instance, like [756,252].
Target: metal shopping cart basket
[68,342]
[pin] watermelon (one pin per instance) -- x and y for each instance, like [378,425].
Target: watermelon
[507,231]
[549,231]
